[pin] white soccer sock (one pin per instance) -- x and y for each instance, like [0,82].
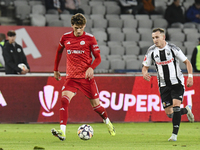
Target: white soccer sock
[63,128]
[107,120]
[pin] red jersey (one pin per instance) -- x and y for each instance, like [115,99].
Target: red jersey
[78,53]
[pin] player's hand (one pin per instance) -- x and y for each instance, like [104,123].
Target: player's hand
[57,75]
[89,74]
[189,82]
[146,76]
[197,16]
[59,10]
[25,71]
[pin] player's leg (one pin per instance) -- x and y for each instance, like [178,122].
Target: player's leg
[167,103]
[98,108]
[189,113]
[176,119]
[187,110]
[165,93]
[89,88]
[68,92]
[177,92]
[65,100]
[169,111]
[102,112]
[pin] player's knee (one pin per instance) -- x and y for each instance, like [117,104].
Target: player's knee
[170,115]
[65,99]
[176,109]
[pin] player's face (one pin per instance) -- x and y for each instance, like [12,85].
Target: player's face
[177,3]
[158,39]
[11,39]
[78,30]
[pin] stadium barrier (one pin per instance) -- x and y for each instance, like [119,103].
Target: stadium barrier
[127,98]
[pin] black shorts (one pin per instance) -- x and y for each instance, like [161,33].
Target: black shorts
[168,93]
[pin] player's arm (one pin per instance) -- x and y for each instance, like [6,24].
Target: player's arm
[146,63]
[96,53]
[57,61]
[190,71]
[90,71]
[25,62]
[145,73]
[183,58]
[97,60]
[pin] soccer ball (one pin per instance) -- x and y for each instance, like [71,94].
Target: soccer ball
[22,66]
[85,132]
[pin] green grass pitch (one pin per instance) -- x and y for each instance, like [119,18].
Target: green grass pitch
[129,136]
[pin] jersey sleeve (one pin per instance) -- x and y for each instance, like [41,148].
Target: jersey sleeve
[94,46]
[179,54]
[62,41]
[147,59]
[96,52]
[58,54]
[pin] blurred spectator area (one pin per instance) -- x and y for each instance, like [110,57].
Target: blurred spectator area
[122,37]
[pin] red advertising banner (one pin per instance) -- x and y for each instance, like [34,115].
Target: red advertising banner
[126,99]
[39,45]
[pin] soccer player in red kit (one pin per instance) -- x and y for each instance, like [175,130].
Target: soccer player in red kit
[80,70]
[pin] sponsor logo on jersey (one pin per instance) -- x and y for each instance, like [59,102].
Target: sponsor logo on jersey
[94,46]
[82,42]
[165,62]
[75,52]
[96,49]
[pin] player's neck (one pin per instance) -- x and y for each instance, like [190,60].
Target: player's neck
[78,34]
[162,45]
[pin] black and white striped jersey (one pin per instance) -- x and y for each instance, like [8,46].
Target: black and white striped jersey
[167,65]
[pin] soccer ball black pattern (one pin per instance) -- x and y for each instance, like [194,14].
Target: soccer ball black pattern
[85,132]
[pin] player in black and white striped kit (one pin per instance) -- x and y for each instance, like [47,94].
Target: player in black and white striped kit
[166,57]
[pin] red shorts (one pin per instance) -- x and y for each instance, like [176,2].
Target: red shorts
[88,87]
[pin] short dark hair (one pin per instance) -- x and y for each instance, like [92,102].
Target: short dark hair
[11,33]
[78,19]
[161,30]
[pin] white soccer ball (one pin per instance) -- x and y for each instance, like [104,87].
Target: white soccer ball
[22,66]
[85,132]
